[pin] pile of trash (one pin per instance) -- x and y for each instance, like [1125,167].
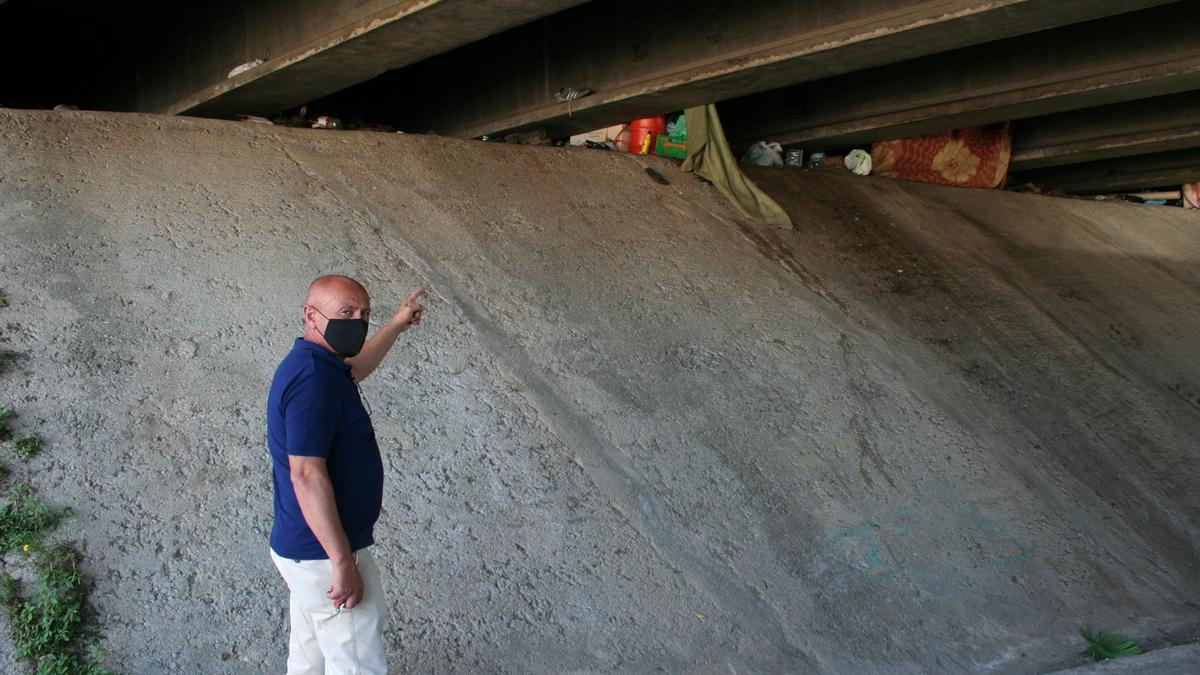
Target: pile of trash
[662,135]
[771,153]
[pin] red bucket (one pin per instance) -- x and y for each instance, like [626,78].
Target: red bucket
[640,129]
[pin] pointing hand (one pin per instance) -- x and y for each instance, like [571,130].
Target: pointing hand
[410,310]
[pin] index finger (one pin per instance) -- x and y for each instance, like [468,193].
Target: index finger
[416,294]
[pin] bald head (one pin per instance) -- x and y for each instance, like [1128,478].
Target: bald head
[333,296]
[333,286]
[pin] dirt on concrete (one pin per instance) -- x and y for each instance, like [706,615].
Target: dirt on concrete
[929,430]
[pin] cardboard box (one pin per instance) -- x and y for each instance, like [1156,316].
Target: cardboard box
[599,135]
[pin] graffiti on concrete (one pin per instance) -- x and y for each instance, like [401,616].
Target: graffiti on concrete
[937,542]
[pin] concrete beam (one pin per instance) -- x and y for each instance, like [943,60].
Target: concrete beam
[1163,169]
[347,43]
[1096,63]
[1140,127]
[646,58]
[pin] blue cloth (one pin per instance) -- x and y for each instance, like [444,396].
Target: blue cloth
[314,410]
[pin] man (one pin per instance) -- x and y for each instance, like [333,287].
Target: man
[328,478]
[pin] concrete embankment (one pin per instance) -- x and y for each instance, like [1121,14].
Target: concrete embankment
[929,430]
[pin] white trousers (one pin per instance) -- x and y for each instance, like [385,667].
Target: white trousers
[327,640]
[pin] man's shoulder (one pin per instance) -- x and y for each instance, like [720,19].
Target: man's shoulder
[302,380]
[300,369]
[296,363]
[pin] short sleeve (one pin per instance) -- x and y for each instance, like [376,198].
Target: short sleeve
[310,415]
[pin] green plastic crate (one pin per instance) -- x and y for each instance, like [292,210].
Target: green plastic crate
[664,147]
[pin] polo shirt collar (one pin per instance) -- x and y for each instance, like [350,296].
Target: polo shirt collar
[321,353]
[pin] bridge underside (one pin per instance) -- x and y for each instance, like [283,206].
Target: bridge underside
[1100,87]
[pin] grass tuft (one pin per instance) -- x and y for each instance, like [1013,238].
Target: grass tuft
[1103,645]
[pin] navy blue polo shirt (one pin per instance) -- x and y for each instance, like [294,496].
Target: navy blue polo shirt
[314,410]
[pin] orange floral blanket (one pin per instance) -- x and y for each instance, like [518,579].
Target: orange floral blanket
[974,157]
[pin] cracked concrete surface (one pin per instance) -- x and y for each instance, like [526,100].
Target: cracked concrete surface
[928,430]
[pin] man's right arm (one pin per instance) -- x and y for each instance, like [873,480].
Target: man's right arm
[314,492]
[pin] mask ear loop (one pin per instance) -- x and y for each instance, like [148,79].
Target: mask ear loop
[319,331]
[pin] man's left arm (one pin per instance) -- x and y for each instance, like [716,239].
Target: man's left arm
[374,349]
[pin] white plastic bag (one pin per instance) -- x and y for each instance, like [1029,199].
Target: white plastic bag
[858,161]
[764,154]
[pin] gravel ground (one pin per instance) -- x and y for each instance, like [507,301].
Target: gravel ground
[927,430]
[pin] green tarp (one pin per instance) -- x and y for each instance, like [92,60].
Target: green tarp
[709,156]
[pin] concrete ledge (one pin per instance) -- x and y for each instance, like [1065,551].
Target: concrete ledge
[401,34]
[1150,125]
[641,60]
[1113,175]
[1039,74]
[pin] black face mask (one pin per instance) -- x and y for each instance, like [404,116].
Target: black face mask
[345,336]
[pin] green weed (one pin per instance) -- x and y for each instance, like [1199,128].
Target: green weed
[6,415]
[48,626]
[7,356]
[28,445]
[1103,645]
[25,518]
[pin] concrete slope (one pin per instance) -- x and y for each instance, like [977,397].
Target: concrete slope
[930,430]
